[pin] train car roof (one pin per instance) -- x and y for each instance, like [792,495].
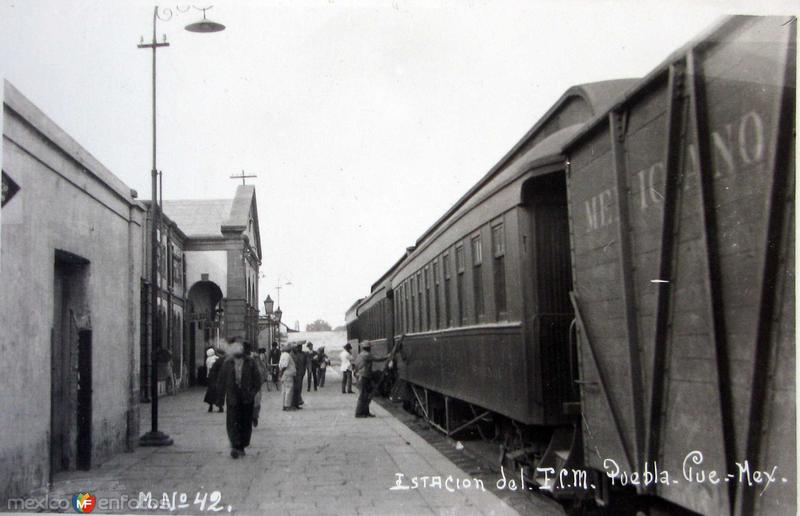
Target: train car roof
[371,299]
[352,313]
[598,96]
[388,274]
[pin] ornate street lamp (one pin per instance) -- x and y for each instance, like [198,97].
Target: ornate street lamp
[154,437]
[268,305]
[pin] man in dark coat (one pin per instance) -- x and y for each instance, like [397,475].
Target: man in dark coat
[274,358]
[239,381]
[366,379]
[301,363]
[313,367]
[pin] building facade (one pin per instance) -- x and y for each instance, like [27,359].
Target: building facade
[70,270]
[214,252]
[174,372]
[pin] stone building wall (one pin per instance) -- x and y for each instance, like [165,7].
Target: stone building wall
[70,252]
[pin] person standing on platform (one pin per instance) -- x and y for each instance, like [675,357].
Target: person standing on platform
[301,364]
[274,358]
[287,371]
[213,396]
[324,362]
[346,360]
[238,382]
[262,372]
[263,360]
[313,366]
[363,365]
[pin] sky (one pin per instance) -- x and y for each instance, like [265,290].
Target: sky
[363,120]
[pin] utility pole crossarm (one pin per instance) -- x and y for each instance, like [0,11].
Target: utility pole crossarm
[152,45]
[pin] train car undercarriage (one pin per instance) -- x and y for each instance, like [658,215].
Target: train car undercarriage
[544,459]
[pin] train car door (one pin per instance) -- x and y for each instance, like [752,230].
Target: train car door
[549,276]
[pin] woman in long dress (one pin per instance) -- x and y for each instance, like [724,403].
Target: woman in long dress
[213,364]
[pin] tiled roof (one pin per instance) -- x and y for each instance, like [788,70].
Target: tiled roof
[204,218]
[199,218]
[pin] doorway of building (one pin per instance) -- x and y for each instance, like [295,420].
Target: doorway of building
[206,329]
[70,366]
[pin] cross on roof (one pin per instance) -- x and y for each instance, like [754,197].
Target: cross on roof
[242,176]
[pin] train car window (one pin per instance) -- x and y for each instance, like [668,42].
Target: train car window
[477,277]
[499,254]
[460,284]
[460,258]
[420,308]
[396,313]
[403,307]
[413,320]
[426,275]
[446,271]
[407,323]
[436,312]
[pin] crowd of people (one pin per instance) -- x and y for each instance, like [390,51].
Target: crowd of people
[236,379]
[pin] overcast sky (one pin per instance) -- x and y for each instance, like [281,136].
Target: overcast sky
[364,121]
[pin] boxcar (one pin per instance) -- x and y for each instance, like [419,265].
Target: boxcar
[681,211]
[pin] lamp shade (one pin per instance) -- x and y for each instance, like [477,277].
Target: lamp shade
[268,305]
[205,25]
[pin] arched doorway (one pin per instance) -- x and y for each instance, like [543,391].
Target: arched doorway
[206,326]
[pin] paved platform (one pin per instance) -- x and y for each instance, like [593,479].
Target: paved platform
[319,460]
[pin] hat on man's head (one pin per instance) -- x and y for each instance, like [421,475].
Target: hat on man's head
[236,347]
[348,347]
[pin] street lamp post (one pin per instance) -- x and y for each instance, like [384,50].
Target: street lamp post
[273,320]
[154,437]
[268,305]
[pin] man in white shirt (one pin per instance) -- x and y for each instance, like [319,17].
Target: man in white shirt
[287,371]
[347,369]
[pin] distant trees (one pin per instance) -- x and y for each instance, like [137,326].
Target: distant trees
[340,328]
[318,325]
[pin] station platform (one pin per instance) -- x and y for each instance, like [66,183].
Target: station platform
[320,460]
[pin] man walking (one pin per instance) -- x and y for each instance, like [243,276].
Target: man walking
[288,371]
[238,383]
[262,372]
[346,360]
[313,366]
[274,358]
[324,362]
[301,364]
[364,362]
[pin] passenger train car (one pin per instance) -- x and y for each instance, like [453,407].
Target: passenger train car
[617,294]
